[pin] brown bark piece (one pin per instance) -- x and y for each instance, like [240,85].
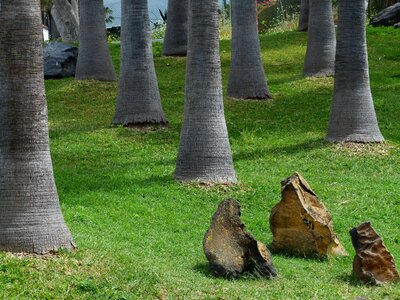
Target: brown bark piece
[301,224]
[230,250]
[372,263]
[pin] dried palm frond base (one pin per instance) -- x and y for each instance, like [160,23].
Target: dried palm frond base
[362,149]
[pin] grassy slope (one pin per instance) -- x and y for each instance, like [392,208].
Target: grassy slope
[140,233]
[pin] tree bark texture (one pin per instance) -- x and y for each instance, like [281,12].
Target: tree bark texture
[54,34]
[321,45]
[352,116]
[94,59]
[204,152]
[75,7]
[247,77]
[303,18]
[175,41]
[30,216]
[138,95]
[66,19]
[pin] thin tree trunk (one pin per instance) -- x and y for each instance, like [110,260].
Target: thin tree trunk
[303,18]
[94,59]
[53,31]
[66,20]
[247,77]
[204,152]
[138,96]
[352,116]
[321,47]
[30,215]
[175,41]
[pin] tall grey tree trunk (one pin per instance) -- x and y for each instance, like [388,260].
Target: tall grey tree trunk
[175,41]
[66,19]
[94,59]
[30,215]
[138,99]
[247,77]
[352,116]
[204,151]
[303,18]
[321,46]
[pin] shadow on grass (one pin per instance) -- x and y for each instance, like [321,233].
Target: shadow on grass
[276,40]
[285,79]
[309,145]
[88,183]
[161,134]
[294,256]
[350,279]
[282,74]
[202,268]
[290,112]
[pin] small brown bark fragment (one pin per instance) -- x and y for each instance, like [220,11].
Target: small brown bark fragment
[372,263]
[301,224]
[230,250]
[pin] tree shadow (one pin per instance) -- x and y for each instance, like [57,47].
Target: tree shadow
[155,135]
[275,81]
[307,146]
[88,183]
[276,40]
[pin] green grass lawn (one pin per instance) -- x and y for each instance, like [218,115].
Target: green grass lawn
[139,233]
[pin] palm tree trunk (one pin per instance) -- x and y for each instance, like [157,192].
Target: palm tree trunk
[138,96]
[204,151]
[352,116]
[94,60]
[247,77]
[66,20]
[321,47]
[175,41]
[30,215]
[303,18]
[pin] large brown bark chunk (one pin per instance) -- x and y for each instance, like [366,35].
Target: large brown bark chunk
[301,224]
[230,250]
[372,263]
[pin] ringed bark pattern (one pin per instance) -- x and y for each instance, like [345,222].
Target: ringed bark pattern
[138,100]
[94,59]
[204,152]
[30,217]
[175,40]
[352,116]
[321,44]
[247,78]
